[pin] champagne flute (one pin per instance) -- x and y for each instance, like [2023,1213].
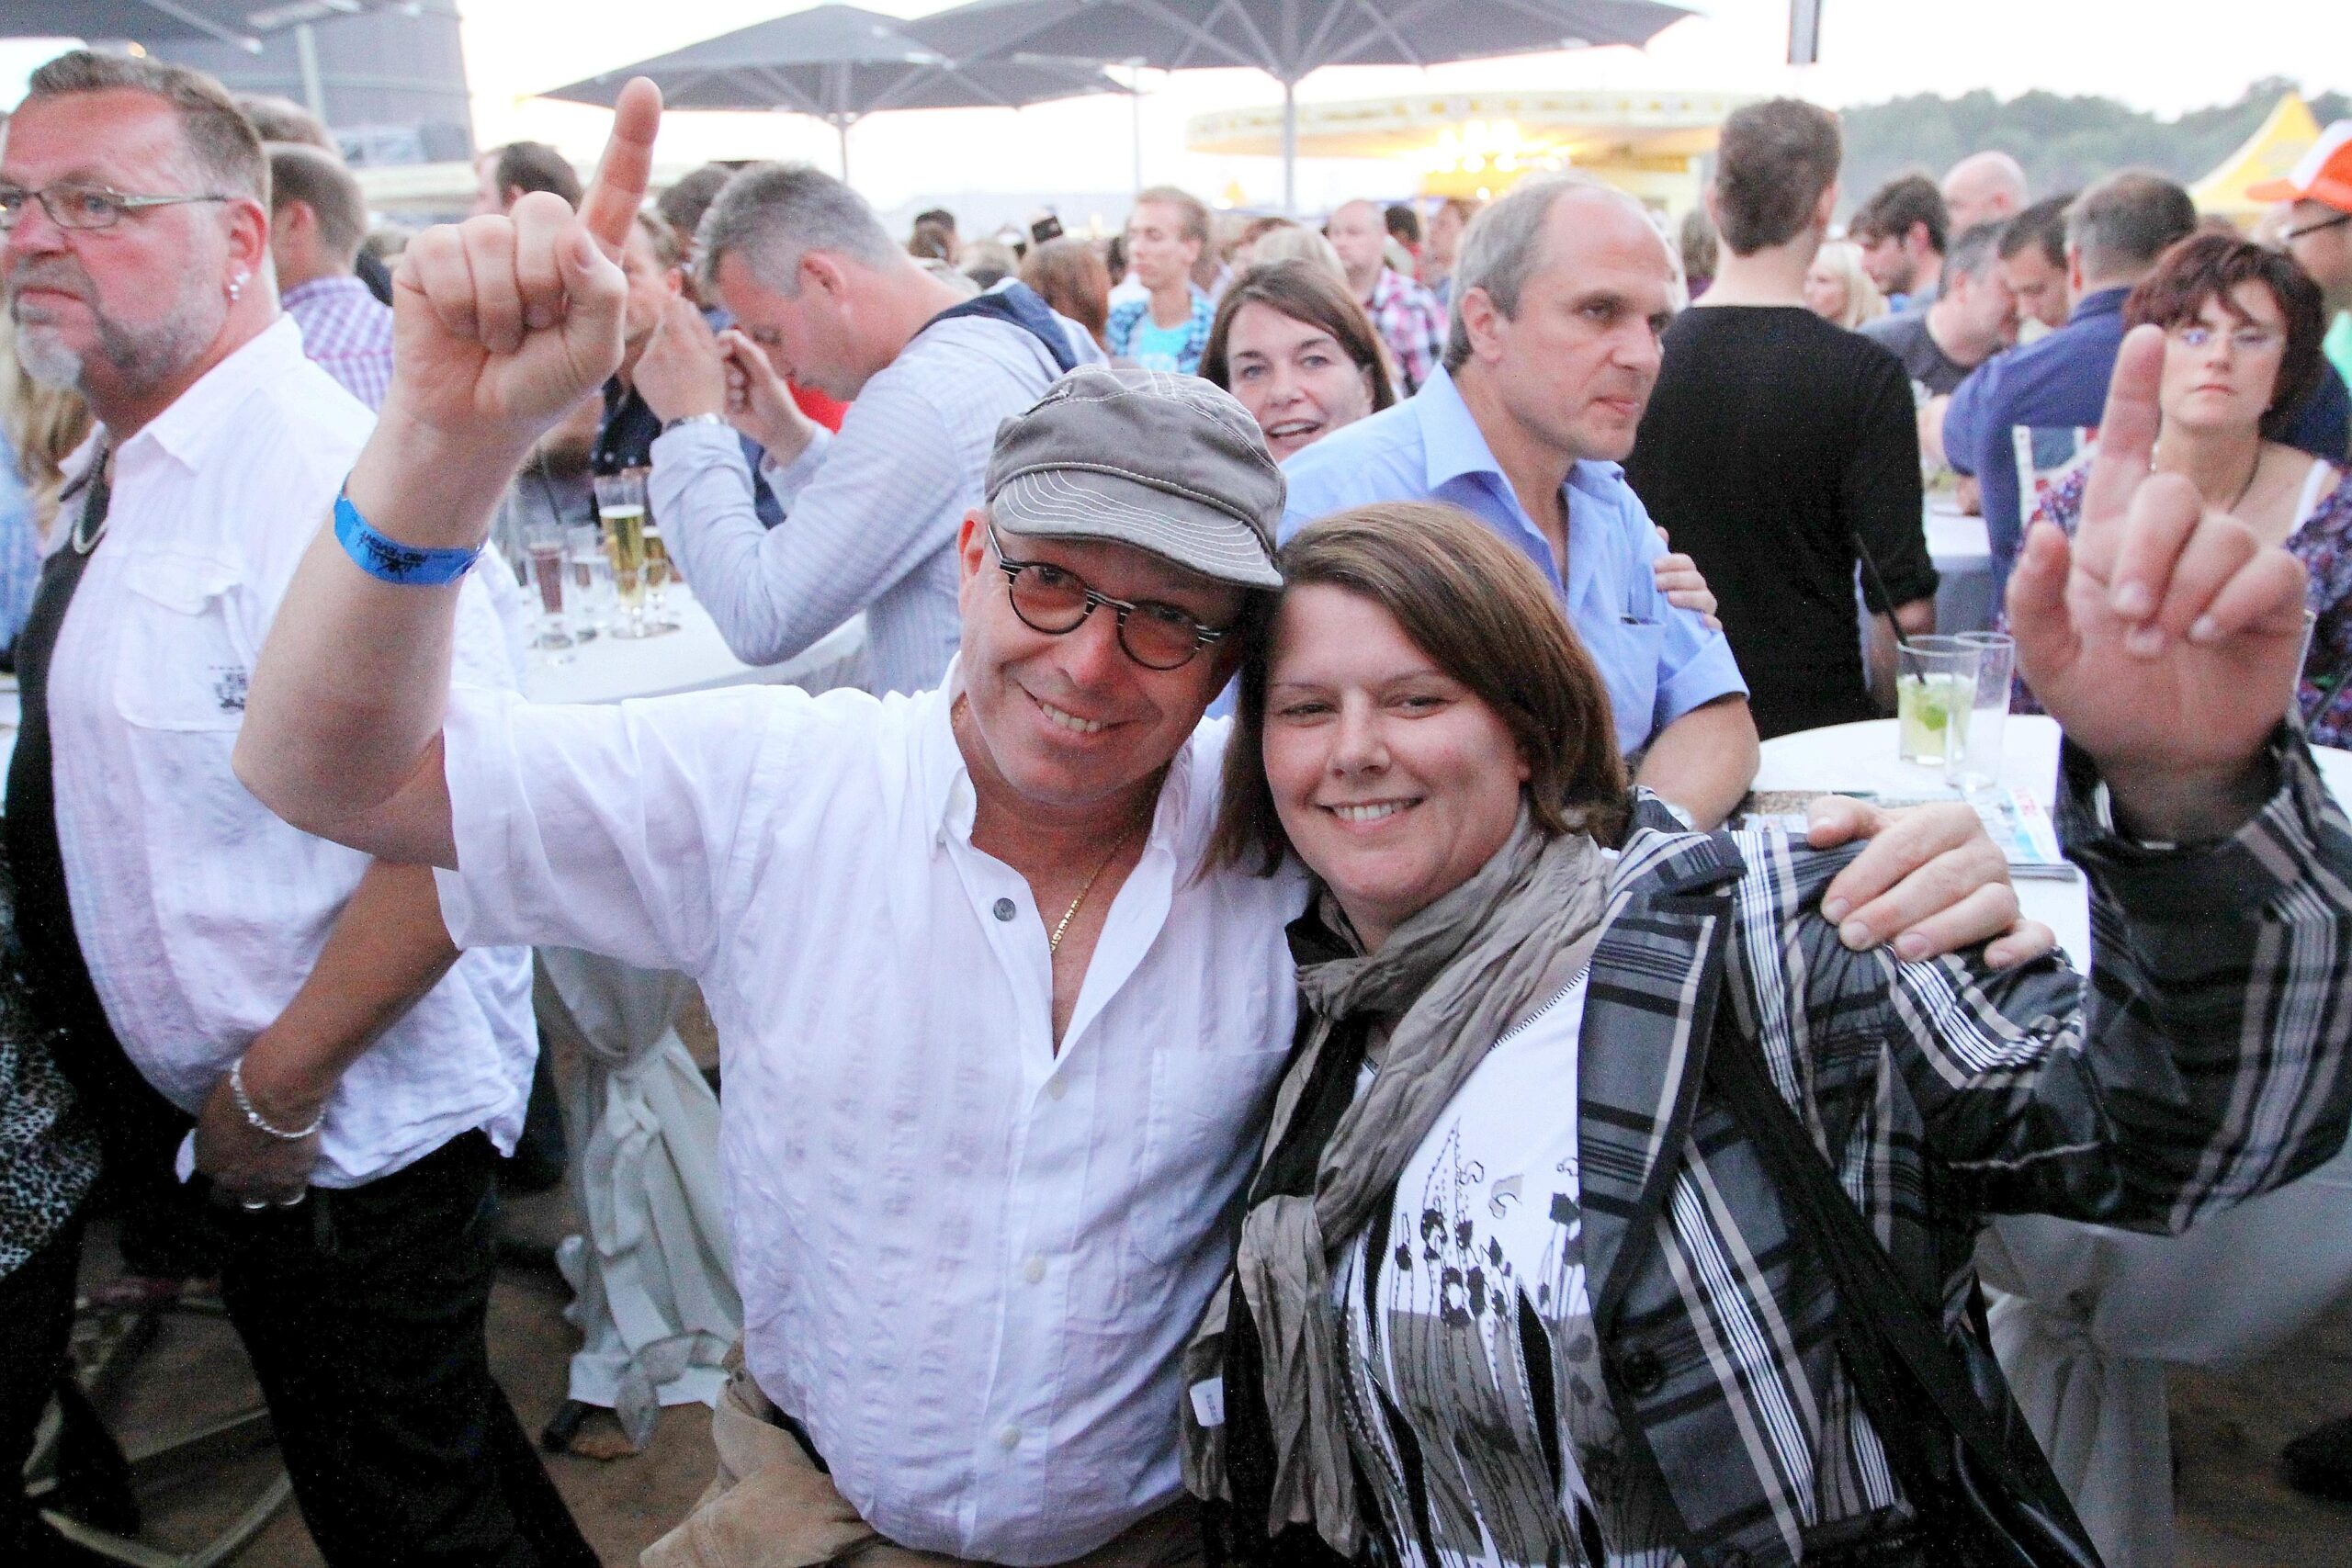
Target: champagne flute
[543,547]
[620,507]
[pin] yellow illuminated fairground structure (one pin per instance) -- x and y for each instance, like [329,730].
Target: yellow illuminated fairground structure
[2269,153]
[1648,143]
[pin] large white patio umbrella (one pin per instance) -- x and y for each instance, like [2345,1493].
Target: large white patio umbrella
[838,63]
[1286,39]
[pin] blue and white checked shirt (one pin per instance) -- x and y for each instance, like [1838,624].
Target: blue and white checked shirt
[870,513]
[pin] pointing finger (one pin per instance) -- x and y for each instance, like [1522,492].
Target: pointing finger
[2127,440]
[609,206]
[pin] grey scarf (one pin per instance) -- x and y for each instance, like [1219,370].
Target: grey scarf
[1455,977]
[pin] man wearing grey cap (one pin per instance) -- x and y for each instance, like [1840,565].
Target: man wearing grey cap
[997,1051]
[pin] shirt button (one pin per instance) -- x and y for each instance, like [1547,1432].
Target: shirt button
[1643,1371]
[1003,909]
[1057,1088]
[1033,1270]
[1009,1438]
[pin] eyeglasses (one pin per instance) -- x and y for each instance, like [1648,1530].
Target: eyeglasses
[1056,601]
[84,207]
[2291,235]
[2246,339]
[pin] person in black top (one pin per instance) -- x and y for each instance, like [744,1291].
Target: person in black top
[1778,444]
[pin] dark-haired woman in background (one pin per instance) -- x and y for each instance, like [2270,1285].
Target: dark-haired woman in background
[1291,341]
[2242,328]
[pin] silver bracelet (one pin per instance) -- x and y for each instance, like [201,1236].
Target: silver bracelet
[255,1119]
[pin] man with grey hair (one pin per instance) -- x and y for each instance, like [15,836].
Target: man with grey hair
[823,298]
[1562,290]
[1983,187]
[281,1023]
[1974,316]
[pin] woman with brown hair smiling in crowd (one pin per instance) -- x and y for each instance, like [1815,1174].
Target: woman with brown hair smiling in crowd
[1537,1267]
[1291,341]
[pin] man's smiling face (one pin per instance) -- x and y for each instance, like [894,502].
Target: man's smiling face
[1070,721]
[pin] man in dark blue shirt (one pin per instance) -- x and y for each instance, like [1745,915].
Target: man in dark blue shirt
[2114,234]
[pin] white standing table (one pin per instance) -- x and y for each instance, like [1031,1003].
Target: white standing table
[2085,1317]
[1962,552]
[694,658]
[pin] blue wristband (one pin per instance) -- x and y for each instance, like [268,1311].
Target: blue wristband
[389,560]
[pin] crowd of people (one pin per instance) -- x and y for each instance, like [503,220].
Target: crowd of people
[1252,1041]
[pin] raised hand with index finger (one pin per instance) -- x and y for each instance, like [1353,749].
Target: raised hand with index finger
[2163,637]
[503,323]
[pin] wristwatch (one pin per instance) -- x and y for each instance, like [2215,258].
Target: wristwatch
[669,425]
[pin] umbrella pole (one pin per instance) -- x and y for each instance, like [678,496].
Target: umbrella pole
[841,128]
[1290,148]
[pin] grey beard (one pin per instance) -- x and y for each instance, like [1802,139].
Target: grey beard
[146,359]
[49,363]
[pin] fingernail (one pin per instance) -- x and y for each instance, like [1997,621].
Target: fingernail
[2132,600]
[1854,935]
[2207,629]
[2147,642]
[1911,945]
[1836,909]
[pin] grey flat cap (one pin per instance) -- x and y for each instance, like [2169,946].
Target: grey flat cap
[1170,464]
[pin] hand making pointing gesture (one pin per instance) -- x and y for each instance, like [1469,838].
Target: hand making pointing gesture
[502,323]
[2164,638]
[501,326]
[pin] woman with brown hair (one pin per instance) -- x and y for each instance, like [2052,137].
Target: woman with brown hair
[2243,331]
[1292,342]
[1069,275]
[1544,1261]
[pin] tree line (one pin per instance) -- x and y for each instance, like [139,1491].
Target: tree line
[2063,143]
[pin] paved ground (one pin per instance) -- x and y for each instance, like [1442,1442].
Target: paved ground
[2235,1513]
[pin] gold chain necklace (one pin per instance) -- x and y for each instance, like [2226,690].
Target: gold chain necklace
[1054,943]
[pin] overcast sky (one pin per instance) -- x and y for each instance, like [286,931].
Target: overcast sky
[2164,56]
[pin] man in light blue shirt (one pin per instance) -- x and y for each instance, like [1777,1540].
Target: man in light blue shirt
[1561,293]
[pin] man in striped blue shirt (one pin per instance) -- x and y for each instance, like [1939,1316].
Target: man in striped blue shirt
[822,297]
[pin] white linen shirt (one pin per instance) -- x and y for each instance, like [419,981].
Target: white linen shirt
[968,1265]
[199,913]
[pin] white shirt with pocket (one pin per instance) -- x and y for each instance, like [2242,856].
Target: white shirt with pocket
[199,913]
[968,1263]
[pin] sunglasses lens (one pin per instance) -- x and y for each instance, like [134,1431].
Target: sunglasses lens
[1161,637]
[1048,598]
